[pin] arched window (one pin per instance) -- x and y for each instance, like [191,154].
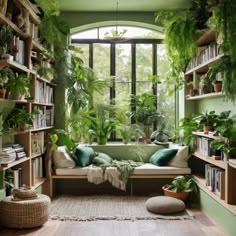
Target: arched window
[135,65]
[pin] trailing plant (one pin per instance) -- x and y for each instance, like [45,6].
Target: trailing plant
[224,23]
[180,38]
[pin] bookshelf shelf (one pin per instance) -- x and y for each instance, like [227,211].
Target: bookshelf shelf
[38,182]
[201,184]
[43,104]
[14,65]
[211,160]
[12,164]
[203,68]
[210,135]
[42,129]
[38,46]
[204,96]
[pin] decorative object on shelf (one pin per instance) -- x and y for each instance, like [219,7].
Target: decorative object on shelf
[217,85]
[5,75]
[6,38]
[181,187]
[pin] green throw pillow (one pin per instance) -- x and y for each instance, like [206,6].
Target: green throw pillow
[102,159]
[163,156]
[83,155]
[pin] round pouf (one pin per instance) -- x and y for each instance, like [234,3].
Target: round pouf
[24,213]
[164,205]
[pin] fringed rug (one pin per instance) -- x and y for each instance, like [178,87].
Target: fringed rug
[100,207]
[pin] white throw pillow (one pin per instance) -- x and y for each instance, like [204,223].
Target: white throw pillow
[181,158]
[62,158]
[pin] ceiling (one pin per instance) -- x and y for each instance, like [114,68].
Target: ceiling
[123,5]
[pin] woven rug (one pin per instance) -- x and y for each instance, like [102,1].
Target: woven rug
[100,207]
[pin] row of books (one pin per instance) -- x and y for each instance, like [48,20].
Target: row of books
[12,153]
[205,149]
[37,169]
[215,180]
[204,55]
[43,93]
[40,118]
[19,50]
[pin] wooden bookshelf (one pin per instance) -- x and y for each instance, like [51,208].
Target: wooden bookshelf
[14,65]
[42,129]
[202,185]
[39,182]
[211,160]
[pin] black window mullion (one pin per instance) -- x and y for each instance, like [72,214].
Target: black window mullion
[154,72]
[112,71]
[91,55]
[133,74]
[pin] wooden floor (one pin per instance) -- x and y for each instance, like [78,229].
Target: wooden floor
[200,226]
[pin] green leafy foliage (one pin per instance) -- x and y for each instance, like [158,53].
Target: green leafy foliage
[5,74]
[206,119]
[183,183]
[6,37]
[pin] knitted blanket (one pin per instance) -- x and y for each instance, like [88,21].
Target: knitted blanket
[117,173]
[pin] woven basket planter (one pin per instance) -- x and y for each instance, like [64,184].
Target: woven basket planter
[24,213]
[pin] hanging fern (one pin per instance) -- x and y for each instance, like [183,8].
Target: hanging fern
[50,8]
[180,38]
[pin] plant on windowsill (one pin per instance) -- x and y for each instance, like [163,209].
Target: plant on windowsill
[5,74]
[101,125]
[181,187]
[19,86]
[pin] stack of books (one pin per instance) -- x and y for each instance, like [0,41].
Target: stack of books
[19,150]
[7,155]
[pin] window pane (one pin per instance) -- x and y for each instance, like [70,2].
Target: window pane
[87,34]
[123,63]
[165,101]
[85,52]
[101,67]
[143,62]
[143,87]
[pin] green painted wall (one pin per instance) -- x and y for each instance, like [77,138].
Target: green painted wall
[218,213]
[85,20]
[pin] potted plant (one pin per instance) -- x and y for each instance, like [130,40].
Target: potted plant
[181,187]
[5,74]
[101,125]
[205,84]
[19,86]
[6,39]
[207,120]
[22,119]
[8,182]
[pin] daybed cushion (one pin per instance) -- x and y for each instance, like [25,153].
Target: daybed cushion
[146,169]
[62,158]
[102,159]
[83,155]
[163,156]
[164,205]
[181,157]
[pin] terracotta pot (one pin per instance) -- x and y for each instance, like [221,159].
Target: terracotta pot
[182,195]
[217,87]
[206,129]
[3,93]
